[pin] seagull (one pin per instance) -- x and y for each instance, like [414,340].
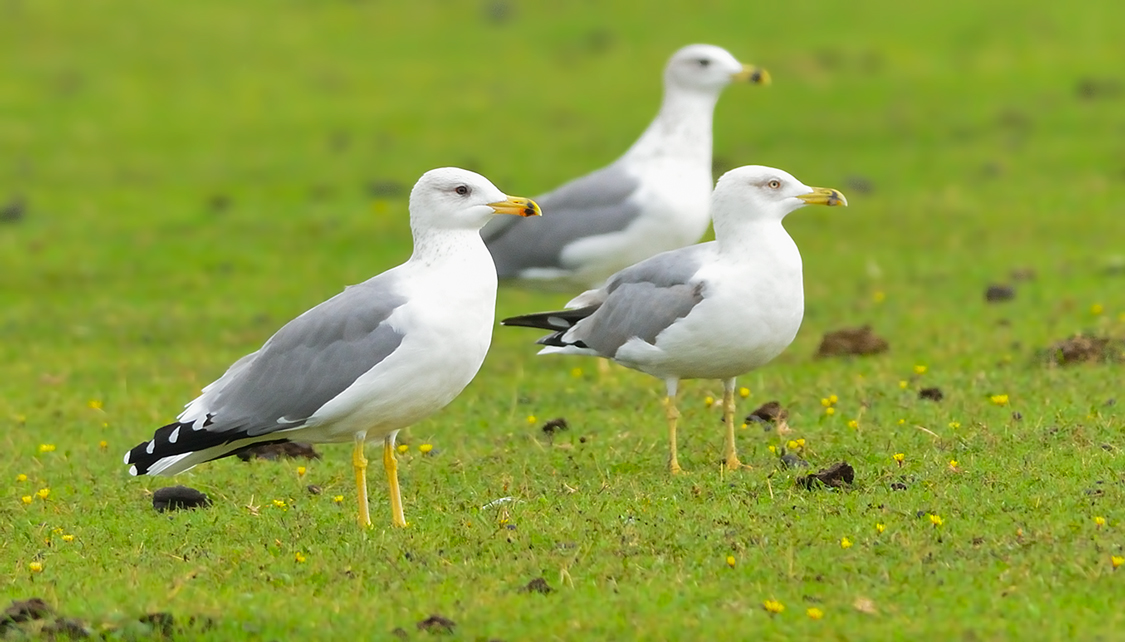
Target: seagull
[652,199]
[714,310]
[370,361]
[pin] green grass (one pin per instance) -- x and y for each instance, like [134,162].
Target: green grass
[122,122]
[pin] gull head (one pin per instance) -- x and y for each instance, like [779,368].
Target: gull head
[453,198]
[765,193]
[708,68]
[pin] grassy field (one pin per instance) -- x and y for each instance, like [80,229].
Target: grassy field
[194,175]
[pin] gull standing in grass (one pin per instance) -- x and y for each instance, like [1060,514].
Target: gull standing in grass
[710,311]
[368,362]
[652,199]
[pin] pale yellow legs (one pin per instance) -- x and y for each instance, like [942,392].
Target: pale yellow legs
[673,415]
[730,453]
[359,462]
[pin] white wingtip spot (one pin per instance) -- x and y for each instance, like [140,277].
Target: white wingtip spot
[133,471]
[174,436]
[151,447]
[125,459]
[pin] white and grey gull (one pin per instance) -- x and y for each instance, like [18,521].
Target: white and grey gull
[652,199]
[715,310]
[374,359]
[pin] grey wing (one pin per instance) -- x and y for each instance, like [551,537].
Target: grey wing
[595,204]
[642,300]
[308,362]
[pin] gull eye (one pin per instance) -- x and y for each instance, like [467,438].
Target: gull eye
[703,62]
[774,184]
[462,190]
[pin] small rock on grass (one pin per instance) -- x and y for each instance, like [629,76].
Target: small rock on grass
[1085,349]
[851,341]
[437,624]
[767,413]
[273,452]
[537,585]
[997,293]
[837,475]
[933,394]
[178,498]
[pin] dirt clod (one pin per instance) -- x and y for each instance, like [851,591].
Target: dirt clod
[933,394]
[273,452]
[997,293]
[313,489]
[767,413]
[851,341]
[837,475]
[437,624]
[13,211]
[178,498]
[537,585]
[25,610]
[1081,348]
[400,633]
[789,460]
[161,623]
[558,424]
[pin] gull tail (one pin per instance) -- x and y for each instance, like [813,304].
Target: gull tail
[559,322]
[179,446]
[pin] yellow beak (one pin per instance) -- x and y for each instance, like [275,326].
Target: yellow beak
[752,74]
[517,205]
[824,196]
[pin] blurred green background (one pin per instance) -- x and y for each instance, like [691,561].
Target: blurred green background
[179,179]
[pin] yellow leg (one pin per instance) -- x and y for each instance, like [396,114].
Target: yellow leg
[673,416]
[391,465]
[359,462]
[730,454]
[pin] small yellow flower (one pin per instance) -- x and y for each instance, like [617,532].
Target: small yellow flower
[801,442]
[277,503]
[744,426]
[57,530]
[901,422]
[46,448]
[814,613]
[103,444]
[791,445]
[531,419]
[825,402]
[338,499]
[21,477]
[425,449]
[730,561]
[1121,317]
[920,369]
[1117,561]
[845,543]
[1100,521]
[35,567]
[773,449]
[68,538]
[27,499]
[878,297]
[879,528]
[903,383]
[936,520]
[853,424]
[833,399]
[953,463]
[576,372]
[94,404]
[999,400]
[402,448]
[829,411]
[955,424]
[1097,309]
[773,607]
[43,493]
[709,401]
[300,557]
[301,470]
[899,457]
[744,392]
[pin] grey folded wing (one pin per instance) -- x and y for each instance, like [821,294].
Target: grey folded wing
[599,203]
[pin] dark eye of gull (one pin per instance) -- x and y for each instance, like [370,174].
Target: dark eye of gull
[703,62]
[462,190]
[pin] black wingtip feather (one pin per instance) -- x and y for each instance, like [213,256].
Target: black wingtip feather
[187,441]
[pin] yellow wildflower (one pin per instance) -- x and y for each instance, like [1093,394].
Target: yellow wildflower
[425,449]
[35,567]
[953,464]
[878,297]
[1097,309]
[845,543]
[730,561]
[46,448]
[744,392]
[68,538]
[402,448]
[792,445]
[27,499]
[833,399]
[300,557]
[830,411]
[936,520]
[103,444]
[901,422]
[920,369]
[1100,521]
[853,424]
[773,449]
[277,503]
[879,528]
[42,493]
[903,383]
[338,499]
[744,426]
[94,404]
[708,401]
[899,457]
[21,477]
[301,470]
[773,607]
[814,613]
[955,424]
[1117,561]
[825,402]
[531,419]
[801,442]
[576,372]
[999,400]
